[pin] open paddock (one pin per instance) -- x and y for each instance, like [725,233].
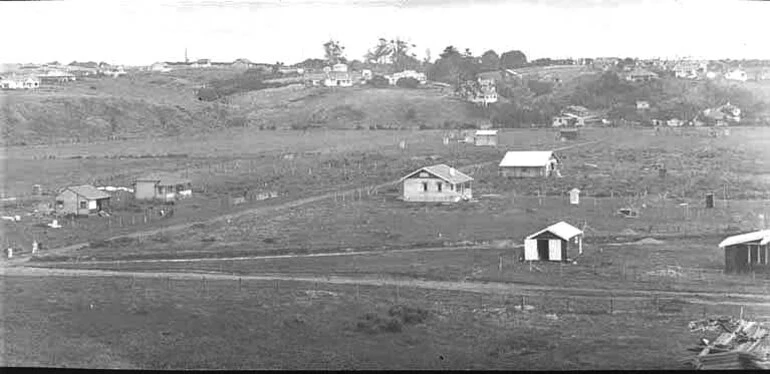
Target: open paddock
[161,322]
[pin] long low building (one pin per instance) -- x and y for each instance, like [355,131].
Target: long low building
[748,252]
[521,164]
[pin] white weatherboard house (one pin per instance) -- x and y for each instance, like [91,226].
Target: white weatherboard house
[528,164]
[437,183]
[553,243]
[485,137]
[162,187]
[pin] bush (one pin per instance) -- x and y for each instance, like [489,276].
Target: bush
[372,323]
[408,82]
[410,114]
[379,81]
[408,315]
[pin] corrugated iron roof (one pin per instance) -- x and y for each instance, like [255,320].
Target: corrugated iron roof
[763,236]
[486,132]
[89,192]
[163,179]
[444,172]
[561,229]
[526,158]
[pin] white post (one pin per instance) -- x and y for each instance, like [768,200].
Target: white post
[580,244]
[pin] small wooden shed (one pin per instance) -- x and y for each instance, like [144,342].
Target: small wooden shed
[747,253]
[485,138]
[557,242]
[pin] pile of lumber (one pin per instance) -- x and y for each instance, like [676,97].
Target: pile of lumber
[739,345]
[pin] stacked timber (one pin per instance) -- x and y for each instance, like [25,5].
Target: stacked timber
[739,345]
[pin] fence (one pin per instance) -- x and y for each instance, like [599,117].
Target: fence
[515,306]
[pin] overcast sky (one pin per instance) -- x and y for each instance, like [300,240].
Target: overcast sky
[143,32]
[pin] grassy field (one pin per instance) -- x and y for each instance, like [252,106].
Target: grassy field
[292,164]
[506,210]
[160,324]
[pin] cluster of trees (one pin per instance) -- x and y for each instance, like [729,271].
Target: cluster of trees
[454,67]
[251,80]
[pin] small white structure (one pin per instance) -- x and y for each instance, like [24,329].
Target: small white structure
[485,137]
[574,196]
[737,75]
[553,243]
[642,105]
[340,68]
[10,252]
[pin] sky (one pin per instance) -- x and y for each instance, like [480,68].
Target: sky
[142,32]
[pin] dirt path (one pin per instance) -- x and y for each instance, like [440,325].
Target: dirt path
[705,298]
[265,210]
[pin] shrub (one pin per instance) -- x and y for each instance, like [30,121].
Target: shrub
[410,114]
[408,82]
[408,315]
[379,81]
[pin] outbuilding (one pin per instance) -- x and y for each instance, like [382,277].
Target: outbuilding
[748,252]
[485,137]
[163,187]
[557,242]
[81,200]
[521,164]
[437,183]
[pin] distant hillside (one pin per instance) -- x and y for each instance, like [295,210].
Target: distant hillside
[153,104]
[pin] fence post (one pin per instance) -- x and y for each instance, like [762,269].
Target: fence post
[240,284]
[612,304]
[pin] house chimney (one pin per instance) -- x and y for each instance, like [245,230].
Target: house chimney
[452,171]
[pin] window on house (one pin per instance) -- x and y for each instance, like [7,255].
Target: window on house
[425,186]
[439,186]
[83,204]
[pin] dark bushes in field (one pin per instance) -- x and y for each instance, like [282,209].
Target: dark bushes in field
[398,316]
[408,82]
[372,323]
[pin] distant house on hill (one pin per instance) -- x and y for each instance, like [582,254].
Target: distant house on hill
[201,63]
[437,183]
[338,79]
[314,78]
[737,75]
[485,137]
[558,242]
[522,164]
[748,252]
[81,200]
[56,76]
[242,63]
[642,105]
[689,69]
[393,78]
[163,187]
[575,116]
[160,67]
[722,116]
[640,75]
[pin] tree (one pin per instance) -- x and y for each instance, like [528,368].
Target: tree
[449,52]
[380,53]
[490,61]
[396,51]
[427,56]
[513,59]
[379,81]
[408,82]
[334,52]
[277,67]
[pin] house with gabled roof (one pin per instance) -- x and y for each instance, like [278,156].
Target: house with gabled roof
[485,137]
[163,187]
[558,242]
[81,200]
[749,252]
[522,164]
[640,75]
[437,183]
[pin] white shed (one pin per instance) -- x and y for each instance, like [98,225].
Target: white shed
[574,196]
[553,243]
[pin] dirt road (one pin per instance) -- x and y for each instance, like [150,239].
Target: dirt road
[266,210]
[705,298]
